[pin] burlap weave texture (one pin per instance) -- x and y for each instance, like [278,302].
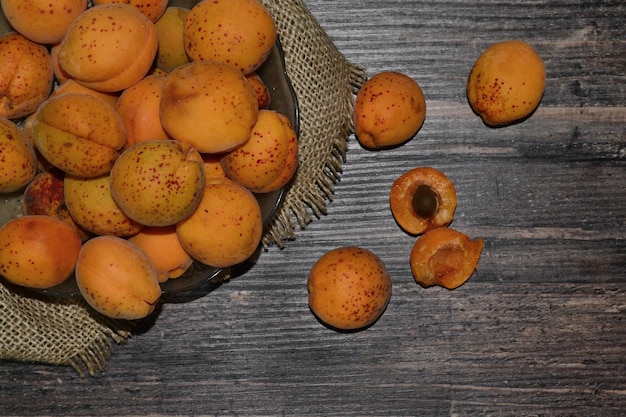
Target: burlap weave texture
[67,332]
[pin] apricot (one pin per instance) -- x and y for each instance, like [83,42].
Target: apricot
[26,75]
[389,110]
[42,21]
[263,95]
[349,288]
[152,9]
[138,107]
[60,75]
[158,182]
[444,257]
[237,32]
[227,226]
[269,158]
[78,133]
[117,278]
[91,205]
[171,52]
[71,86]
[38,251]
[506,83]
[162,245]
[213,165]
[421,199]
[44,195]
[209,105]
[18,161]
[109,47]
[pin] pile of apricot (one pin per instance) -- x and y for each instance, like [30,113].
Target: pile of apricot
[138,134]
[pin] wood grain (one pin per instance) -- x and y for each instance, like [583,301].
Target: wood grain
[540,330]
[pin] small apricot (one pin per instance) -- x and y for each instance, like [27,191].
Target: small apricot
[349,288]
[213,165]
[18,161]
[42,21]
[444,257]
[162,245]
[421,199]
[260,88]
[26,75]
[236,32]
[506,83]
[389,110]
[171,52]
[227,226]
[38,251]
[71,86]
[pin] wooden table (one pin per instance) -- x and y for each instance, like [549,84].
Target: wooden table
[539,330]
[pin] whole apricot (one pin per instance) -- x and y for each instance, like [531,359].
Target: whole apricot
[227,226]
[263,95]
[91,205]
[158,182]
[138,107]
[389,110]
[26,75]
[18,161]
[209,105]
[38,251]
[152,9]
[506,83]
[108,47]
[237,32]
[42,21]
[444,257]
[268,159]
[162,245]
[117,278]
[349,288]
[78,133]
[171,52]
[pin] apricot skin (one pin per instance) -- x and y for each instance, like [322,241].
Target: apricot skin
[18,161]
[38,251]
[506,83]
[349,288]
[390,108]
[117,278]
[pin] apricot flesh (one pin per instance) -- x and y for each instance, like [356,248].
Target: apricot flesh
[349,288]
[506,83]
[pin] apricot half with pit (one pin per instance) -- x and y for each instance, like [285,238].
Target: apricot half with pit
[349,288]
[158,182]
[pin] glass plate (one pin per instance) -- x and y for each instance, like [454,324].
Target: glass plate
[199,279]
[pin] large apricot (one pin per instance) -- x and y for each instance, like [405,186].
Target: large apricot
[117,278]
[42,21]
[227,226]
[171,52]
[209,105]
[109,47]
[138,107]
[78,133]
[38,251]
[389,110]
[26,75]
[506,83]
[349,288]
[237,32]
[269,158]
[18,161]
[158,182]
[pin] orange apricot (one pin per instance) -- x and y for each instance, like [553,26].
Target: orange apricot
[444,257]
[268,159]
[421,199]
[237,32]
[349,288]
[162,245]
[71,86]
[152,9]
[109,47]
[26,75]
[213,165]
[262,92]
[171,52]
[18,161]
[506,83]
[42,21]
[227,226]
[389,110]
[138,107]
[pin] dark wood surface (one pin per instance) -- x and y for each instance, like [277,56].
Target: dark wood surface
[539,330]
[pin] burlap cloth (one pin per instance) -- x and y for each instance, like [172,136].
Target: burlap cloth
[68,332]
